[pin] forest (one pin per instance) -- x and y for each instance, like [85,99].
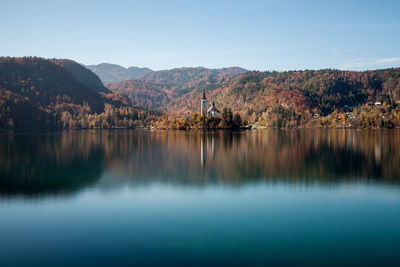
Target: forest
[63,94]
[227,121]
[307,99]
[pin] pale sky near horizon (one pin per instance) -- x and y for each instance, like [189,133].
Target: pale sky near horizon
[257,35]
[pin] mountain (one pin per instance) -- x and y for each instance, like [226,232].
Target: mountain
[324,90]
[143,93]
[59,93]
[109,73]
[161,89]
[82,74]
[278,99]
[47,82]
[320,98]
[184,76]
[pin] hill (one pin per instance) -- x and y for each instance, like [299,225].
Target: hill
[162,89]
[42,93]
[46,82]
[323,90]
[110,73]
[312,98]
[60,93]
[321,98]
[143,93]
[82,74]
[180,77]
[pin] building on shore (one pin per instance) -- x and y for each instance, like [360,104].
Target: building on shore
[212,111]
[203,108]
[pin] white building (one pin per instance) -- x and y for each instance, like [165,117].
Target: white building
[213,111]
[203,108]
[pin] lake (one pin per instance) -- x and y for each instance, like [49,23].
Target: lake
[187,198]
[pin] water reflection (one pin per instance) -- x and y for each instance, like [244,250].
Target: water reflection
[64,163]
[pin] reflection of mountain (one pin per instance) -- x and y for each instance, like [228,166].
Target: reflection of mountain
[67,162]
[236,158]
[48,164]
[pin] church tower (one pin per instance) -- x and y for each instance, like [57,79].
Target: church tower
[203,109]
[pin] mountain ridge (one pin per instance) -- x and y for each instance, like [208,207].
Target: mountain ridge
[160,88]
[273,97]
[59,93]
[82,74]
[36,91]
[47,81]
[108,72]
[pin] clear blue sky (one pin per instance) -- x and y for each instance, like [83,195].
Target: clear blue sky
[257,35]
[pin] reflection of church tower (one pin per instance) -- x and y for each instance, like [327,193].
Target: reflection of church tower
[207,149]
[203,110]
[202,154]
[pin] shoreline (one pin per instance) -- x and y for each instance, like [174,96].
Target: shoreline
[30,130]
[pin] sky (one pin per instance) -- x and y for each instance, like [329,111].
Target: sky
[256,35]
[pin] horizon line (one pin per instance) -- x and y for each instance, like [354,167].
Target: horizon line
[226,67]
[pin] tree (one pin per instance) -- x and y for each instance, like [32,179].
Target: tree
[237,121]
[227,117]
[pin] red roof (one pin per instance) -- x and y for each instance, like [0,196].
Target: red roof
[213,109]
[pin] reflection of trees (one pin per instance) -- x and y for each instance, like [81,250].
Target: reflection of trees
[66,162]
[49,163]
[315,155]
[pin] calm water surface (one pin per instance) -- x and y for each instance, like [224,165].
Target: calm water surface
[107,198]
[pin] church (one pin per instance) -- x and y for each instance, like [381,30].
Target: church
[212,111]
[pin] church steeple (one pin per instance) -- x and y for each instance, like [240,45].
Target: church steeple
[203,107]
